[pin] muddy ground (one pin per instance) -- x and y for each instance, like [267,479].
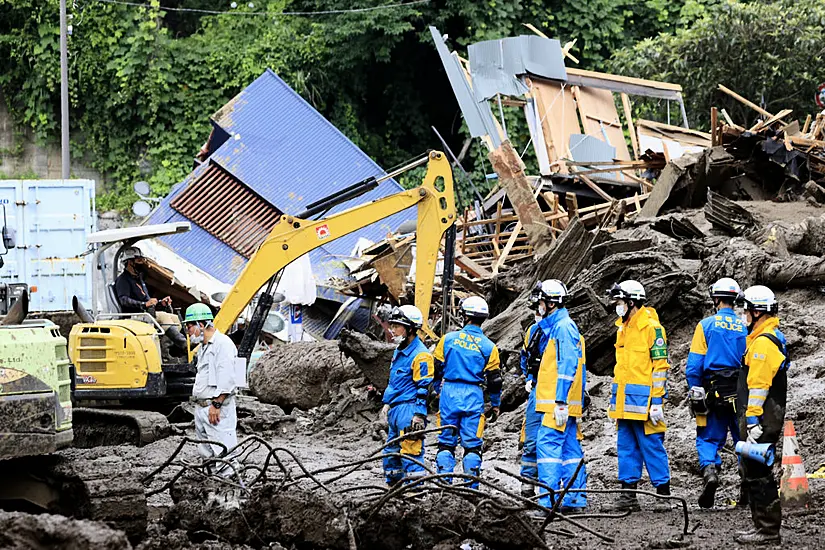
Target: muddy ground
[344,427]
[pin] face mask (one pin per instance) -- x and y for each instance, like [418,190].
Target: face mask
[542,310]
[537,317]
[196,339]
[743,318]
[397,339]
[621,310]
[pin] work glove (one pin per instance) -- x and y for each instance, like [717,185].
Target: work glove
[492,414]
[754,433]
[697,394]
[382,416]
[657,414]
[529,385]
[419,422]
[561,413]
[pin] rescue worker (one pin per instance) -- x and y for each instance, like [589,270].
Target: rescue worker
[530,357]
[214,389]
[131,290]
[712,372]
[637,395]
[760,402]
[405,399]
[465,360]
[560,398]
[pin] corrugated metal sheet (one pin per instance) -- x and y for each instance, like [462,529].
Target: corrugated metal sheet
[496,64]
[287,153]
[227,209]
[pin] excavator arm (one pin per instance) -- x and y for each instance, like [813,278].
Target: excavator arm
[293,237]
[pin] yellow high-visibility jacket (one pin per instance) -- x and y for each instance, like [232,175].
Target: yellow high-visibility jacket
[763,360]
[640,375]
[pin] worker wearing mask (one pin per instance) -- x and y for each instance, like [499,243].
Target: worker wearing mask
[529,360]
[215,381]
[131,290]
[405,399]
[560,399]
[712,373]
[637,395]
[760,402]
[465,360]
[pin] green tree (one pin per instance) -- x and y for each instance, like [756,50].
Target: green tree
[768,52]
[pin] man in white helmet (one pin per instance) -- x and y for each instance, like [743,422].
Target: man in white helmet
[712,372]
[760,403]
[637,395]
[466,360]
[560,384]
[405,399]
[131,290]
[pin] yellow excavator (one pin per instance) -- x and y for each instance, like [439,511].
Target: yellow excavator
[118,358]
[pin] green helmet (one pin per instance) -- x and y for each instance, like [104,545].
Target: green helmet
[198,312]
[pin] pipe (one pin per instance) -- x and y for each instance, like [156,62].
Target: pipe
[81,311]
[18,312]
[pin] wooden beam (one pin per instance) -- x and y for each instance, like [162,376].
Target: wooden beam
[714,126]
[572,205]
[631,128]
[807,125]
[744,101]
[655,84]
[507,248]
[765,123]
[472,267]
[598,190]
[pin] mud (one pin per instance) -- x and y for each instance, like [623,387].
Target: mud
[371,357]
[300,375]
[20,531]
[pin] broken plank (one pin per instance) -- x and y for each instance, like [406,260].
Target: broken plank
[745,101]
[714,126]
[807,125]
[507,248]
[628,115]
[472,267]
[469,284]
[765,123]
[598,190]
[572,205]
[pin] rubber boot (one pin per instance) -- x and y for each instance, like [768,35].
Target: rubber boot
[177,338]
[744,500]
[711,484]
[472,466]
[445,462]
[625,502]
[663,505]
[767,513]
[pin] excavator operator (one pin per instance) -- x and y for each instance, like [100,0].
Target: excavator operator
[130,287]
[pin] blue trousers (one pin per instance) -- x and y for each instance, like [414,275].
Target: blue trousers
[463,406]
[399,418]
[558,455]
[636,449]
[711,438]
[532,421]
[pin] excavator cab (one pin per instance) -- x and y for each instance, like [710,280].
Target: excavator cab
[120,356]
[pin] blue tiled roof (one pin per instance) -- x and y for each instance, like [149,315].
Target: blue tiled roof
[282,148]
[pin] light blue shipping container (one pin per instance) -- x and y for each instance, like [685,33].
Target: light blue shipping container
[51,219]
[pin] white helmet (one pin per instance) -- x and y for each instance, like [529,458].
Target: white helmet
[131,253]
[761,298]
[553,291]
[475,307]
[628,290]
[408,316]
[725,288]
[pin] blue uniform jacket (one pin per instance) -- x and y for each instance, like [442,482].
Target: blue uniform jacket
[559,327]
[467,355]
[718,344]
[528,336]
[411,372]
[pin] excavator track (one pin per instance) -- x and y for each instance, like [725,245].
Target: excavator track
[98,427]
[100,490]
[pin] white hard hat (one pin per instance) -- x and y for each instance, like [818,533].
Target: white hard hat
[476,307]
[628,290]
[553,291]
[131,253]
[725,288]
[761,298]
[408,316]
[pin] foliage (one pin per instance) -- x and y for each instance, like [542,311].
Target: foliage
[768,52]
[144,81]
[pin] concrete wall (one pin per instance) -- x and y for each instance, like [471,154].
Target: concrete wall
[21,156]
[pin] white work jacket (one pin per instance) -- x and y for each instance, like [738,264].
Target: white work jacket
[216,368]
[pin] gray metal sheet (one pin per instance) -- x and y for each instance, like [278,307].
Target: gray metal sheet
[496,64]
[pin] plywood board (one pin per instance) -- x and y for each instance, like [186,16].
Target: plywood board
[601,119]
[557,111]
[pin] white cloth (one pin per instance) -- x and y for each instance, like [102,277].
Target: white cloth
[216,367]
[226,431]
